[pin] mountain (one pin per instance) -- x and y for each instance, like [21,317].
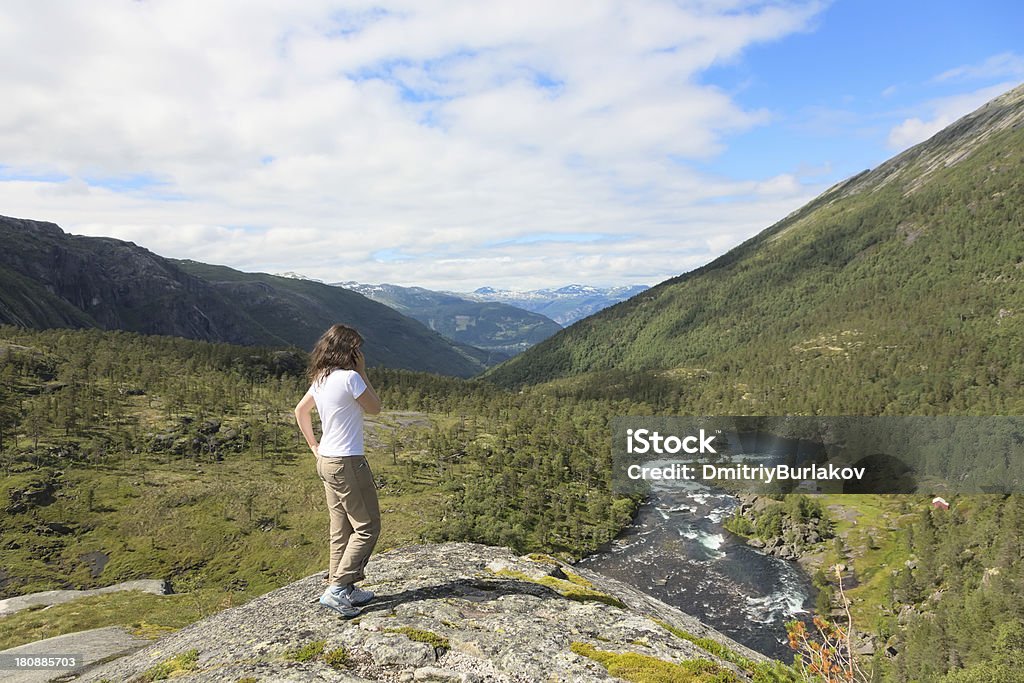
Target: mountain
[899,290]
[451,612]
[300,310]
[564,305]
[486,325]
[297,276]
[51,279]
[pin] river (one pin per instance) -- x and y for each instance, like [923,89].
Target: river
[678,551]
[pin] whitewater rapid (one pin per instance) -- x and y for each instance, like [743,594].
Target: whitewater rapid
[679,551]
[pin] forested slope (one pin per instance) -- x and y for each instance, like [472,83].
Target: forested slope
[178,458]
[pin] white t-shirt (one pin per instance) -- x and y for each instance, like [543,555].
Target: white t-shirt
[341,416]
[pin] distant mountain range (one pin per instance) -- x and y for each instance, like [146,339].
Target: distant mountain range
[51,279]
[503,329]
[564,305]
[899,290]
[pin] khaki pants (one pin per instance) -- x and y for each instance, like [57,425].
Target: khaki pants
[355,515]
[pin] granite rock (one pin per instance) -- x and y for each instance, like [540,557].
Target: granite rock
[450,612]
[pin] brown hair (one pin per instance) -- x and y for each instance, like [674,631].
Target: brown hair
[335,350]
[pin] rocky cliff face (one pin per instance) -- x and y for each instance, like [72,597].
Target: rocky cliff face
[73,281]
[51,279]
[783,537]
[452,612]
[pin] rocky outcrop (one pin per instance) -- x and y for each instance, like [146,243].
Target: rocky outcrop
[89,648]
[451,612]
[785,537]
[946,148]
[35,494]
[74,281]
[57,597]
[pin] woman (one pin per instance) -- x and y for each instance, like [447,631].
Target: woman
[341,393]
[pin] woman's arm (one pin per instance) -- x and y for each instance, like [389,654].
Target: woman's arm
[369,399]
[304,419]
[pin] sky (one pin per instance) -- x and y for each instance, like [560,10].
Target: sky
[455,145]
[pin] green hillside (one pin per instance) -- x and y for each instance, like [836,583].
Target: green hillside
[898,291]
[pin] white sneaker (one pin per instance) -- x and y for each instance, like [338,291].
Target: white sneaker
[358,596]
[336,600]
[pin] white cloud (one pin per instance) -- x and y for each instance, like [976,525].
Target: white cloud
[1004,65]
[942,112]
[307,137]
[914,130]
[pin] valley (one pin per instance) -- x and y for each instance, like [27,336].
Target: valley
[130,451]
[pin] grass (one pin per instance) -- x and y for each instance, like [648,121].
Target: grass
[307,652]
[761,672]
[575,587]
[706,644]
[169,668]
[422,636]
[639,668]
[337,658]
[868,526]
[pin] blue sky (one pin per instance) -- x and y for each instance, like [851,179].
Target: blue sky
[461,144]
[837,89]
